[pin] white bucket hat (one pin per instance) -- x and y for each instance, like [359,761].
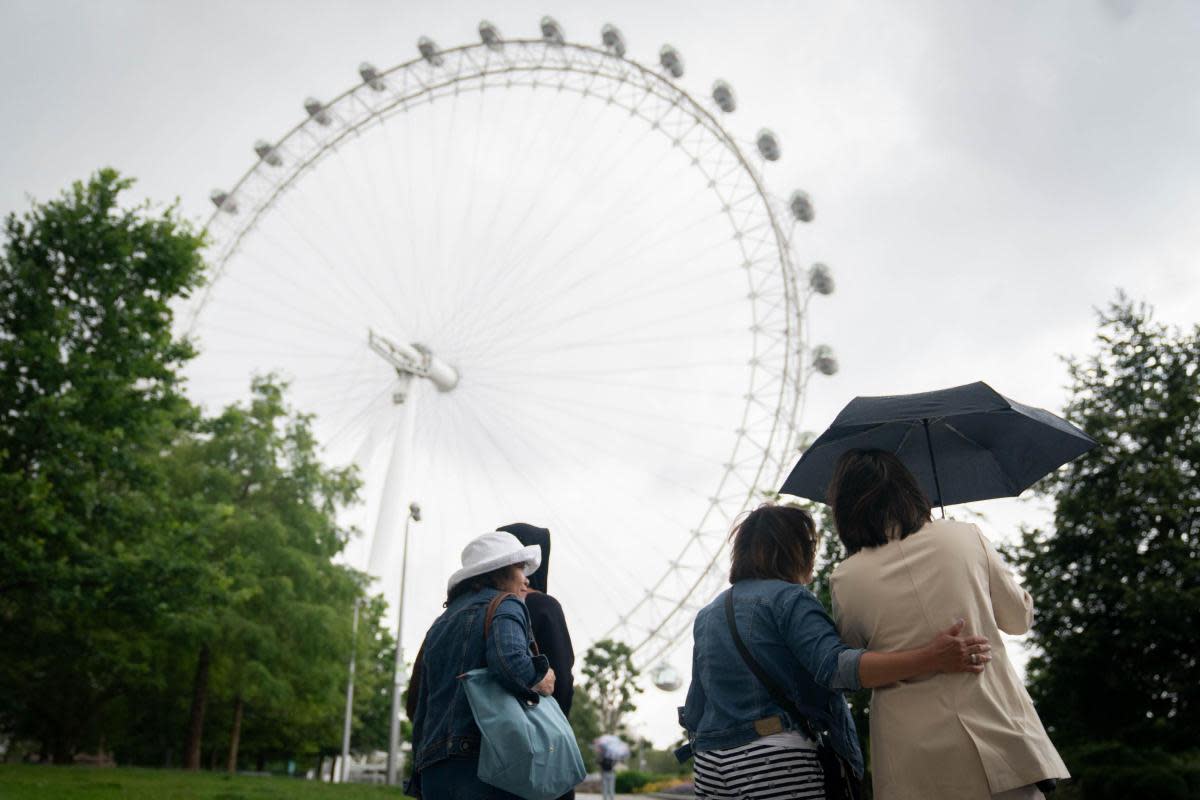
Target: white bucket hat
[494,550]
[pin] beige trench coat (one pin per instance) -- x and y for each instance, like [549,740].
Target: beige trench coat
[955,735]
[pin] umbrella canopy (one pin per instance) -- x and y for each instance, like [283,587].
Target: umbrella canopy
[962,444]
[611,746]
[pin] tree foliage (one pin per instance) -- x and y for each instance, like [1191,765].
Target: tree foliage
[585,722]
[610,682]
[89,385]
[154,557]
[1117,580]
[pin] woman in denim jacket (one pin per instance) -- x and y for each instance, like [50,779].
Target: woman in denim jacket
[445,740]
[746,745]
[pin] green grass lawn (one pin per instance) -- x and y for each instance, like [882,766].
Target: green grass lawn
[26,782]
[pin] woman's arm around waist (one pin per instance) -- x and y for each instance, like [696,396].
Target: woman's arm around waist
[814,640]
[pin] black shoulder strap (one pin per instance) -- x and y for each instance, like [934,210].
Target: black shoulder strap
[774,689]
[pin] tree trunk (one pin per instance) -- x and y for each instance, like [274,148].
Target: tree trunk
[236,735]
[262,761]
[61,752]
[191,749]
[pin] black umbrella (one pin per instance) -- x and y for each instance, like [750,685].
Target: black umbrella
[962,444]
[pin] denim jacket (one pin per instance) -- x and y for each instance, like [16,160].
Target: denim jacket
[791,636]
[443,726]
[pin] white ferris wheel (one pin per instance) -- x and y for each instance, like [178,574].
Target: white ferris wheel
[528,280]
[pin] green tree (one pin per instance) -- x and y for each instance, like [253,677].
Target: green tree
[1117,579]
[272,626]
[89,384]
[611,682]
[373,681]
[585,722]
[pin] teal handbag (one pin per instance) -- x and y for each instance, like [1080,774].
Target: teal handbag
[528,750]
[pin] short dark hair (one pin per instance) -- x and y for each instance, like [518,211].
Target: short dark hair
[488,580]
[872,492]
[773,542]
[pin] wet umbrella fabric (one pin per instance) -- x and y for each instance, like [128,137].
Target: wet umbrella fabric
[963,444]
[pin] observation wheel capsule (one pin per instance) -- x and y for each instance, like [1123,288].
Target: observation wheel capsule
[429,51]
[267,153]
[317,111]
[824,360]
[671,61]
[722,94]
[768,144]
[552,32]
[370,76]
[666,677]
[801,205]
[821,279]
[223,201]
[613,41]
[489,34]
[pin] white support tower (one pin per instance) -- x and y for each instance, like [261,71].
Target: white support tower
[410,361]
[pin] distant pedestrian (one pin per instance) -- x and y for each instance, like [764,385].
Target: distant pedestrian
[546,617]
[608,777]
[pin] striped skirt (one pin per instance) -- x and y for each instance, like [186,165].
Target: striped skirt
[759,771]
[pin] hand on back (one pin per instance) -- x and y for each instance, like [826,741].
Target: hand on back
[953,651]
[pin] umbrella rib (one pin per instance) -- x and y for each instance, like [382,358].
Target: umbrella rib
[1012,487]
[907,433]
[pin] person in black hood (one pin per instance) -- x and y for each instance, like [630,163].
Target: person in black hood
[547,620]
[549,625]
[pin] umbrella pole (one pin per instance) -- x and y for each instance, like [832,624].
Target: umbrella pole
[933,463]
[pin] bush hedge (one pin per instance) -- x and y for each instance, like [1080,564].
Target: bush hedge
[631,780]
[1114,771]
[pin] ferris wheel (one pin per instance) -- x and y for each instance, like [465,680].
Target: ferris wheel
[528,279]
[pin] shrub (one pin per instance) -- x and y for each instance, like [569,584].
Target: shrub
[632,781]
[1120,783]
[1112,770]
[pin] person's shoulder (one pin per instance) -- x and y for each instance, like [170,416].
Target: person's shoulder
[848,565]
[947,540]
[781,596]
[769,588]
[511,604]
[941,531]
[714,606]
[952,526]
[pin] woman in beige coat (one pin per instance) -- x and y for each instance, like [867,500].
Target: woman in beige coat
[959,736]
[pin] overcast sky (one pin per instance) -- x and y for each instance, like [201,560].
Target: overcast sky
[984,174]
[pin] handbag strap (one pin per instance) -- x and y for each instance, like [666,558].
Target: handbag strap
[491,612]
[774,689]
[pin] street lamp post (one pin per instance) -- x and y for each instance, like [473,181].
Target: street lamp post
[349,698]
[414,515]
